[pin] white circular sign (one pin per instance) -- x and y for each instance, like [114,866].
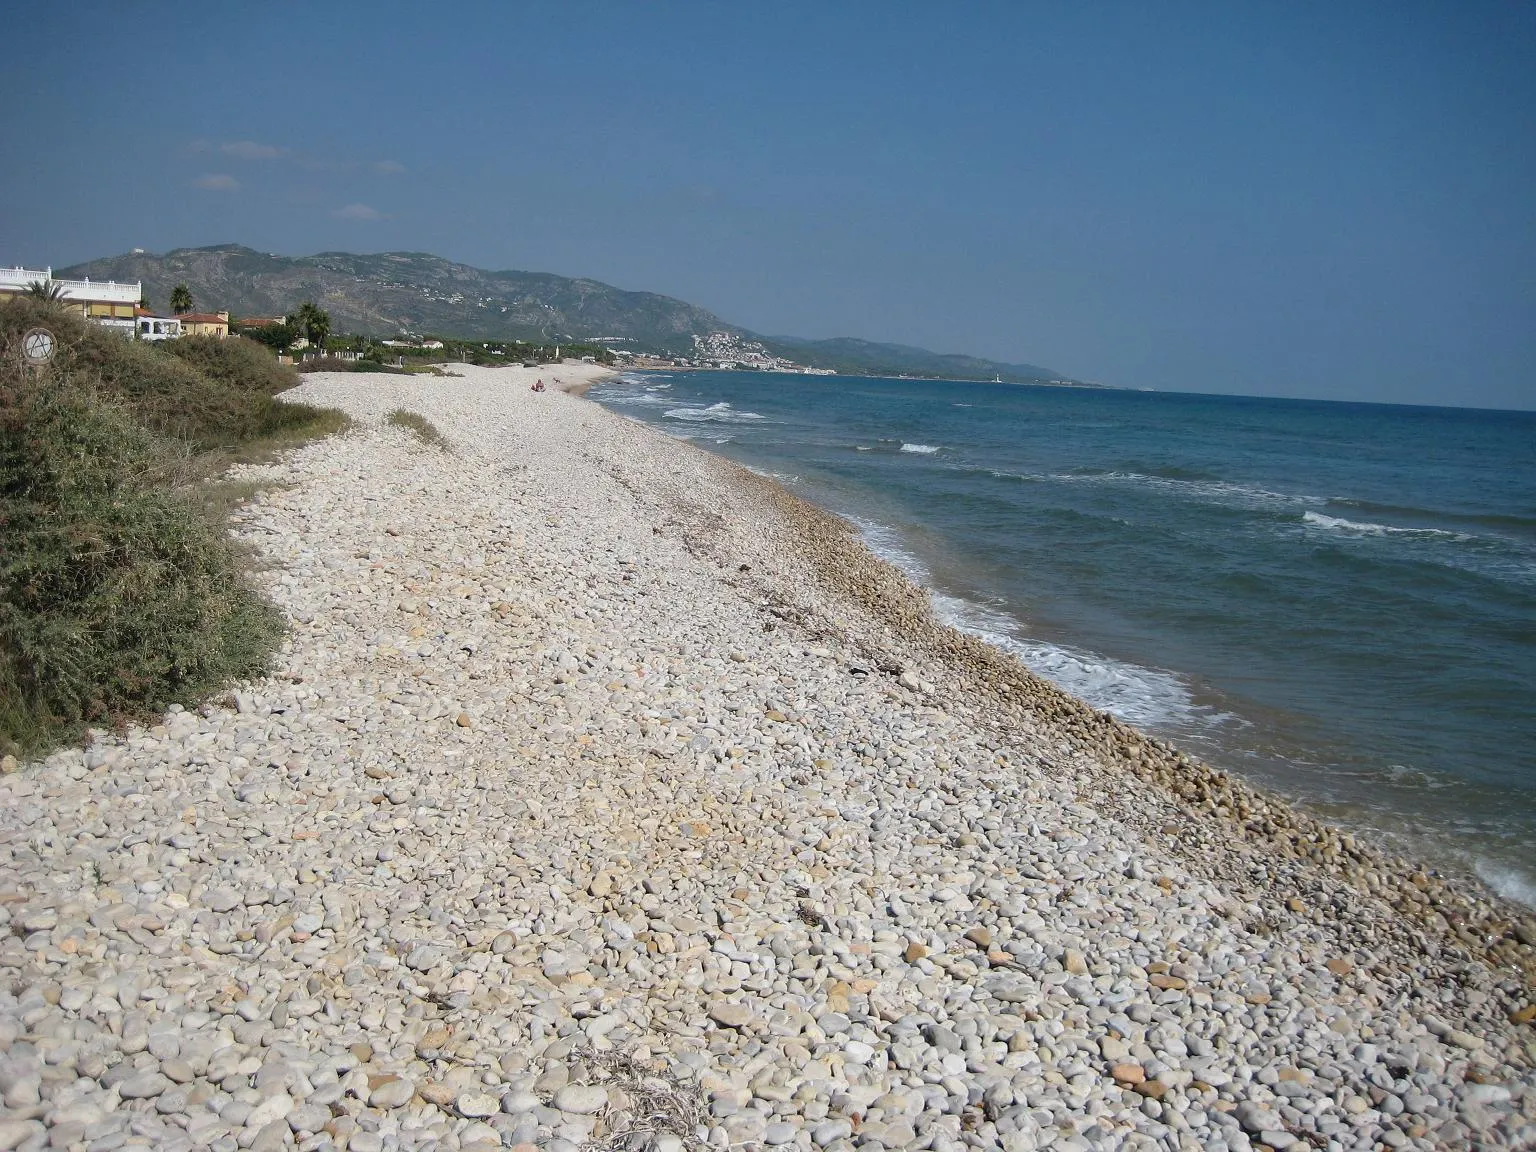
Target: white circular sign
[38,345]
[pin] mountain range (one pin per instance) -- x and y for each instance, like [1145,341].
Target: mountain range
[391,293]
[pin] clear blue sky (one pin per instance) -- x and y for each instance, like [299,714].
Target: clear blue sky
[1285,199]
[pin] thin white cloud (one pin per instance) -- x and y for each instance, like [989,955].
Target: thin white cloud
[251,150]
[358,212]
[388,167]
[216,182]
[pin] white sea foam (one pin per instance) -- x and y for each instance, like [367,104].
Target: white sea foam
[1337,524]
[1146,697]
[887,544]
[785,478]
[625,399]
[721,413]
[1511,883]
[925,449]
[1221,492]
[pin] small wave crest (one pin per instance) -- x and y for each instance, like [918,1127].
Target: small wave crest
[621,398]
[720,413]
[1146,697]
[1338,524]
[1499,520]
[887,544]
[1221,492]
[1507,881]
[924,449]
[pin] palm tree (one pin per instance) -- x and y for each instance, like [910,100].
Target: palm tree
[313,322]
[46,291]
[181,299]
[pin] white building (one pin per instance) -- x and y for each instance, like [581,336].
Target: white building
[104,301]
[148,326]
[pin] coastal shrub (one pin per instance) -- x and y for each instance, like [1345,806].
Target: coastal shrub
[118,594]
[337,364]
[120,590]
[214,394]
[235,361]
[420,427]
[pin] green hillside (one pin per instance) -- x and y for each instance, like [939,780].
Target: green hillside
[391,293]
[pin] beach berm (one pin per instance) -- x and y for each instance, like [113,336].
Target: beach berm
[607,796]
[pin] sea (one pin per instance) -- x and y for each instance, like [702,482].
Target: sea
[1336,601]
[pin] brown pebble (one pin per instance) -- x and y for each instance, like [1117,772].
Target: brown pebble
[915,952]
[439,1094]
[1128,1073]
[433,1040]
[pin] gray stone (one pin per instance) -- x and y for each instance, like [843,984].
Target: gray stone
[423,958]
[477,1104]
[731,1015]
[143,1086]
[581,1099]
[392,1093]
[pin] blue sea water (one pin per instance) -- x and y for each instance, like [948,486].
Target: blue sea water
[1335,600]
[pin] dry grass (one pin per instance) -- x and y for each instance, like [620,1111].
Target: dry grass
[420,427]
[643,1104]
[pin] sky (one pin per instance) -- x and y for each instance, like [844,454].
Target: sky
[1285,199]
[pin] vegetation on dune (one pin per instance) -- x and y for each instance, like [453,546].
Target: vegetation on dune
[337,364]
[120,591]
[234,362]
[420,427]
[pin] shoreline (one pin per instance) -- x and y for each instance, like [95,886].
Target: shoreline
[1462,911]
[591,747]
[1461,908]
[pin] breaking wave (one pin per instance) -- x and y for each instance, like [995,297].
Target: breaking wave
[1145,697]
[721,413]
[1341,525]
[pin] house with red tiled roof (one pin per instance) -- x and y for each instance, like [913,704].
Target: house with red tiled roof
[215,324]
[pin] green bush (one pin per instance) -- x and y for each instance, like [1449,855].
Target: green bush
[236,361]
[117,593]
[120,591]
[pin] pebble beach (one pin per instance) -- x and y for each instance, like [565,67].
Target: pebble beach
[606,796]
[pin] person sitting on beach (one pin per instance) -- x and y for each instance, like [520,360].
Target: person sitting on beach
[538,386]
